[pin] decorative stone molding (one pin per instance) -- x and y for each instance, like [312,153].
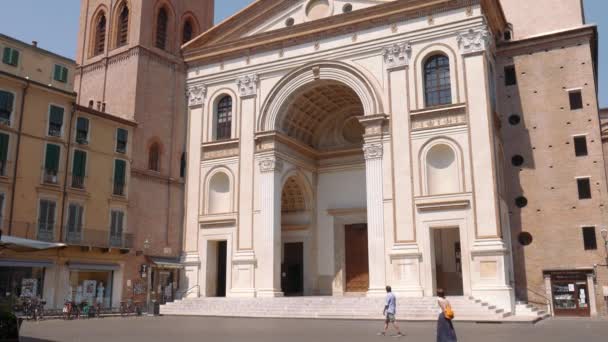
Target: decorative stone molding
[373,151]
[397,55]
[196,95]
[474,40]
[375,125]
[444,117]
[271,165]
[248,85]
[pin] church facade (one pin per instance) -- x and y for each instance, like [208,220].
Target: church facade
[338,147]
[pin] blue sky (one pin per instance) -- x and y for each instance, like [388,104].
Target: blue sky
[60,35]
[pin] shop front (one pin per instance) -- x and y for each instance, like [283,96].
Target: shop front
[92,283]
[572,292]
[21,278]
[165,279]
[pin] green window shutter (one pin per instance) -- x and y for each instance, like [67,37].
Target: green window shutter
[82,124]
[57,73]
[3,147]
[15,58]
[64,75]
[80,163]
[120,167]
[6,56]
[52,157]
[57,115]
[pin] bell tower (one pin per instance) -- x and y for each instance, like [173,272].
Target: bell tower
[130,66]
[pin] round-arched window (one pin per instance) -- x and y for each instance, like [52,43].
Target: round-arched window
[437,84]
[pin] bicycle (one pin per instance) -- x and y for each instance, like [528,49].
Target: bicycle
[33,308]
[129,308]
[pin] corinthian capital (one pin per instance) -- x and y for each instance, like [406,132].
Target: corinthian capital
[248,85]
[474,40]
[196,94]
[373,151]
[397,55]
[271,165]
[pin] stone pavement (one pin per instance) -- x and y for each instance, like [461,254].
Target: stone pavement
[174,329]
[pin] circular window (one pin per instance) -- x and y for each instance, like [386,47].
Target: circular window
[514,119]
[347,8]
[521,201]
[289,22]
[524,238]
[517,160]
[317,9]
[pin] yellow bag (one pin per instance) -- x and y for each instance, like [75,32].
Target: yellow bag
[448,312]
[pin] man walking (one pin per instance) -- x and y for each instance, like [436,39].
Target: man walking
[390,309]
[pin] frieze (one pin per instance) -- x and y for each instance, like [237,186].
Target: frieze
[439,118]
[474,40]
[224,149]
[373,151]
[397,55]
[247,85]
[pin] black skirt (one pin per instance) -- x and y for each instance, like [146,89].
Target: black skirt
[445,330]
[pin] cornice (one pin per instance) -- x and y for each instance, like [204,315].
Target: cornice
[206,50]
[138,50]
[540,42]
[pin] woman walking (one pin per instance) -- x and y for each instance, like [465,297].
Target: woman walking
[445,328]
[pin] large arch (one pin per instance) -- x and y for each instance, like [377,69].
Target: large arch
[339,72]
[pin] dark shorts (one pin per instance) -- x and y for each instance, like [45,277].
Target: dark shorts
[390,318]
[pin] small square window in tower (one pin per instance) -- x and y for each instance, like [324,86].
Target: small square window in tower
[580,146]
[589,238]
[576,99]
[584,188]
[510,75]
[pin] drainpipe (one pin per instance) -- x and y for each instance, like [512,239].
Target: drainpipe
[14,187]
[67,166]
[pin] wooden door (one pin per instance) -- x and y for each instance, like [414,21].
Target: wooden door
[292,274]
[357,262]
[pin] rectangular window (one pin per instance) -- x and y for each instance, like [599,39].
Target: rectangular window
[584,188]
[46,220]
[79,169]
[2,198]
[10,56]
[51,163]
[122,137]
[60,73]
[510,75]
[116,228]
[4,138]
[589,238]
[580,146]
[82,131]
[6,107]
[74,228]
[576,99]
[120,167]
[55,121]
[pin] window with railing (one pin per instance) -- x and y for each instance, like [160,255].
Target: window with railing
[55,121]
[46,220]
[82,131]
[51,163]
[120,167]
[6,107]
[116,228]
[79,169]
[74,227]
[4,140]
[122,137]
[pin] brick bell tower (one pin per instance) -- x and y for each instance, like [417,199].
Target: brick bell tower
[130,66]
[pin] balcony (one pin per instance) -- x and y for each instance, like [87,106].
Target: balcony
[78,182]
[54,130]
[82,138]
[121,147]
[119,189]
[96,237]
[46,231]
[5,120]
[50,176]
[3,164]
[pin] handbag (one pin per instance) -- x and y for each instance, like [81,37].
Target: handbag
[448,312]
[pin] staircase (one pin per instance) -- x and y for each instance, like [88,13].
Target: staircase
[528,310]
[409,309]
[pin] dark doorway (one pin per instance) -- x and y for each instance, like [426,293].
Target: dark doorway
[570,293]
[448,260]
[221,268]
[292,271]
[356,258]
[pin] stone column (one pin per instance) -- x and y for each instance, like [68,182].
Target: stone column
[489,252]
[190,257]
[244,259]
[269,253]
[373,150]
[592,300]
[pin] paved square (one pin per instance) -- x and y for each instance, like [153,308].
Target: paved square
[175,329]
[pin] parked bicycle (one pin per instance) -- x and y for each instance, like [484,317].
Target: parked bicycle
[71,310]
[129,307]
[33,308]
